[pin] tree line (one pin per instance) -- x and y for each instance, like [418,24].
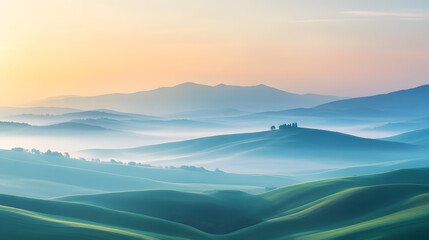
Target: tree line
[285,126]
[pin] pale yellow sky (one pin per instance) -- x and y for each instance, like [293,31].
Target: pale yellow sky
[88,47]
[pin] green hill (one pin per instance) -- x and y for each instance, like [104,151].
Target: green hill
[393,205]
[383,206]
[43,219]
[216,212]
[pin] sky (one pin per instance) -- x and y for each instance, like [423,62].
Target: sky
[90,47]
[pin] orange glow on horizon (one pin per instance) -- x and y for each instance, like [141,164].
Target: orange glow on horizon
[88,48]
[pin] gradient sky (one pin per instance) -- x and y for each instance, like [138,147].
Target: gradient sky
[89,47]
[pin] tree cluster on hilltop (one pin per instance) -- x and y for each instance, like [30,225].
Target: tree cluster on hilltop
[285,126]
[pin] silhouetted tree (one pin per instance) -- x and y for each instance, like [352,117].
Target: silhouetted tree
[53,154]
[290,125]
[19,149]
[113,161]
[35,151]
[143,165]
[273,128]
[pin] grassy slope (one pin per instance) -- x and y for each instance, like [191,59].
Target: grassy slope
[345,213]
[61,220]
[217,212]
[42,176]
[324,207]
[392,205]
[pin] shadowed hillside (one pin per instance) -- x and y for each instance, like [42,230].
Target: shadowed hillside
[392,205]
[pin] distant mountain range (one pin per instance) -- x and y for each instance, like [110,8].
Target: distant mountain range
[192,97]
[60,129]
[8,111]
[405,104]
[57,118]
[111,120]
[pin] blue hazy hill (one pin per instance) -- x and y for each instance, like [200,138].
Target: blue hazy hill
[210,113]
[95,114]
[50,175]
[280,150]
[112,120]
[419,137]
[403,126]
[7,111]
[60,129]
[398,104]
[149,125]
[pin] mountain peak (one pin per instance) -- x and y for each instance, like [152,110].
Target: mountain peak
[189,96]
[190,84]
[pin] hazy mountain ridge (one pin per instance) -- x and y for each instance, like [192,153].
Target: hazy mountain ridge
[13,128]
[188,97]
[8,111]
[93,114]
[398,104]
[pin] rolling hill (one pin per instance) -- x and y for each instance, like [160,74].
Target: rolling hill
[11,129]
[393,205]
[51,175]
[106,120]
[420,137]
[270,152]
[43,119]
[413,101]
[191,97]
[7,111]
[151,125]
[403,126]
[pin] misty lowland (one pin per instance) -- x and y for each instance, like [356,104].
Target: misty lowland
[214,120]
[217,162]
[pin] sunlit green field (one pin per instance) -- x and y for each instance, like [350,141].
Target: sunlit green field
[393,205]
